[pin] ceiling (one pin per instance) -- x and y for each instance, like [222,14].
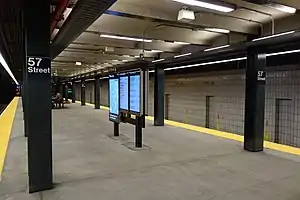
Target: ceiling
[155,20]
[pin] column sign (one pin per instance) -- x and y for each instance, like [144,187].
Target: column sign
[35,65]
[261,75]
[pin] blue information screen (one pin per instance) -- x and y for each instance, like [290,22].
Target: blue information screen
[135,93]
[114,96]
[124,92]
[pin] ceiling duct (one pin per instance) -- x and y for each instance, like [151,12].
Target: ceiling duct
[82,16]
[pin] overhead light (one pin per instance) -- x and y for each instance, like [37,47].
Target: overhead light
[154,61]
[272,36]
[185,43]
[78,63]
[207,63]
[218,30]
[232,60]
[125,38]
[206,5]
[4,64]
[125,60]
[283,8]
[156,51]
[126,56]
[182,55]
[114,60]
[136,56]
[283,52]
[185,15]
[215,48]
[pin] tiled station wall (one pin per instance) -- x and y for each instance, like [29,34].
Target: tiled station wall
[217,100]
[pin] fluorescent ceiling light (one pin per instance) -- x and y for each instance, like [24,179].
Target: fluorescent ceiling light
[215,48]
[283,52]
[136,56]
[205,5]
[4,64]
[272,36]
[207,63]
[232,60]
[126,56]
[125,38]
[154,61]
[182,55]
[218,30]
[185,43]
[124,60]
[156,51]
[283,8]
[115,61]
[78,63]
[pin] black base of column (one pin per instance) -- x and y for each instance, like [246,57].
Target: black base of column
[40,189]
[116,129]
[138,133]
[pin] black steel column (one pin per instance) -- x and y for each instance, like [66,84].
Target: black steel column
[66,92]
[63,90]
[159,96]
[97,92]
[73,91]
[255,101]
[82,92]
[38,95]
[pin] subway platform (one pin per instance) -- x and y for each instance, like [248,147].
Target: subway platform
[175,164]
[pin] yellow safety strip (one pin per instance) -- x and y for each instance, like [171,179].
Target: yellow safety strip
[222,134]
[6,123]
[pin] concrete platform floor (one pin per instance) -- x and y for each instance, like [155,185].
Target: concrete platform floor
[177,164]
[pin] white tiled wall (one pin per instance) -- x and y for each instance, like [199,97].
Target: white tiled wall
[187,100]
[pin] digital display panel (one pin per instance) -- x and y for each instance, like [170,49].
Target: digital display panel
[124,101]
[135,93]
[113,98]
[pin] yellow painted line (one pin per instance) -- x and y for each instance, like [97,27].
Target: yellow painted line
[6,123]
[222,134]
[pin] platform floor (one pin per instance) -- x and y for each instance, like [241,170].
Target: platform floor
[176,164]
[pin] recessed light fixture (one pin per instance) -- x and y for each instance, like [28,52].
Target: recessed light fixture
[283,8]
[185,43]
[125,38]
[182,55]
[272,36]
[154,61]
[206,5]
[217,30]
[78,63]
[215,48]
